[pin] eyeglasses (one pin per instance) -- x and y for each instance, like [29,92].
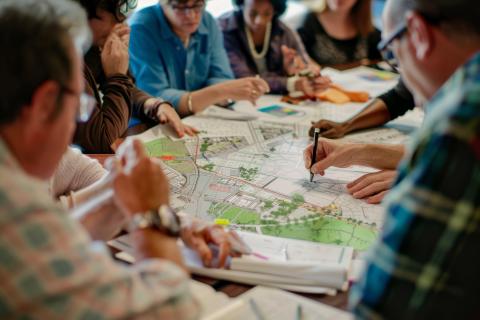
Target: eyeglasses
[86,104]
[385,46]
[125,9]
[196,8]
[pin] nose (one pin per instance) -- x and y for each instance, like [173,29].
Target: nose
[260,21]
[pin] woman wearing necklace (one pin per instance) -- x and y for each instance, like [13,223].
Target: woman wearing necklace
[340,32]
[258,43]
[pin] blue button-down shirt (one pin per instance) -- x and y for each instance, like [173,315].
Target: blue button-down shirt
[161,64]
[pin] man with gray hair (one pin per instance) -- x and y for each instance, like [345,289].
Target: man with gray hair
[426,263]
[50,268]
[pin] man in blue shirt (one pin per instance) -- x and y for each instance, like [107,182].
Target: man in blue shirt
[425,264]
[177,53]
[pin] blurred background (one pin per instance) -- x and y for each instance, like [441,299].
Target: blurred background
[292,17]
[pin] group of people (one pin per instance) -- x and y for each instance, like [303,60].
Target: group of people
[74,71]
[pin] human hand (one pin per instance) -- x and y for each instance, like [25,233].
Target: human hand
[167,115]
[198,235]
[305,85]
[321,83]
[329,153]
[250,88]
[372,186]
[329,129]
[292,62]
[114,56]
[122,30]
[139,183]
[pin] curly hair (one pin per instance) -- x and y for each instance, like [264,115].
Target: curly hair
[118,8]
[279,6]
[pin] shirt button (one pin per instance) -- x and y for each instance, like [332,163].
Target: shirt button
[186,72]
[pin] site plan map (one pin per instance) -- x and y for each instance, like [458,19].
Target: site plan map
[251,176]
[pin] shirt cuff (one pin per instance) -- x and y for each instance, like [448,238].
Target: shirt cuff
[291,87]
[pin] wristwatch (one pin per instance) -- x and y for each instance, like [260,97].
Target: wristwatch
[164,219]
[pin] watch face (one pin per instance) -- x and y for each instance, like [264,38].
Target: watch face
[169,220]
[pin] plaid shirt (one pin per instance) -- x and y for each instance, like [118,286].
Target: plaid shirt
[50,269]
[426,264]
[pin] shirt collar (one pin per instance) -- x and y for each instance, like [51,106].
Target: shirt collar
[166,31]
[7,159]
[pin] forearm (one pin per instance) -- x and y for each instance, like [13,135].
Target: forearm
[375,114]
[100,216]
[377,155]
[201,99]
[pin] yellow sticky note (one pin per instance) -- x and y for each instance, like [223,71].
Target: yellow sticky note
[222,222]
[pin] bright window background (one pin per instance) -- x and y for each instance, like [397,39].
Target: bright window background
[292,17]
[218,7]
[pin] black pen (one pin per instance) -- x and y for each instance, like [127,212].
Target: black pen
[314,155]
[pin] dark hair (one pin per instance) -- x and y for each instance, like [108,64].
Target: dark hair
[118,8]
[279,6]
[36,48]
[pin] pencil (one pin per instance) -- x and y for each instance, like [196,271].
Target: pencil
[314,153]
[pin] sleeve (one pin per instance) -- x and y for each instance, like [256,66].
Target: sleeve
[373,41]
[140,110]
[74,172]
[109,120]
[426,263]
[60,273]
[398,100]
[219,64]
[148,66]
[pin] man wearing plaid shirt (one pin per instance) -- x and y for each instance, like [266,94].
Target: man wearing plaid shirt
[426,263]
[49,266]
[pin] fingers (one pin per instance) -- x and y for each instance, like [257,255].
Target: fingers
[371,184]
[176,124]
[324,160]
[190,130]
[162,118]
[199,245]
[261,85]
[224,252]
[219,237]
[376,199]
[307,156]
[330,133]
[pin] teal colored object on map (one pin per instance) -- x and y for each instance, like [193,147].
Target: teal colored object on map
[278,111]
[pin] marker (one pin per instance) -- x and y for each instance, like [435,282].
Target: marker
[314,155]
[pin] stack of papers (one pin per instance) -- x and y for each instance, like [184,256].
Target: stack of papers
[273,304]
[294,265]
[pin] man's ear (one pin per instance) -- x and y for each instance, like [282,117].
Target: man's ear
[420,35]
[43,104]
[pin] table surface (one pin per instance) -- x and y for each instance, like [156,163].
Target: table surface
[231,289]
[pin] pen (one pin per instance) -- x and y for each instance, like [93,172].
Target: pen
[314,155]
